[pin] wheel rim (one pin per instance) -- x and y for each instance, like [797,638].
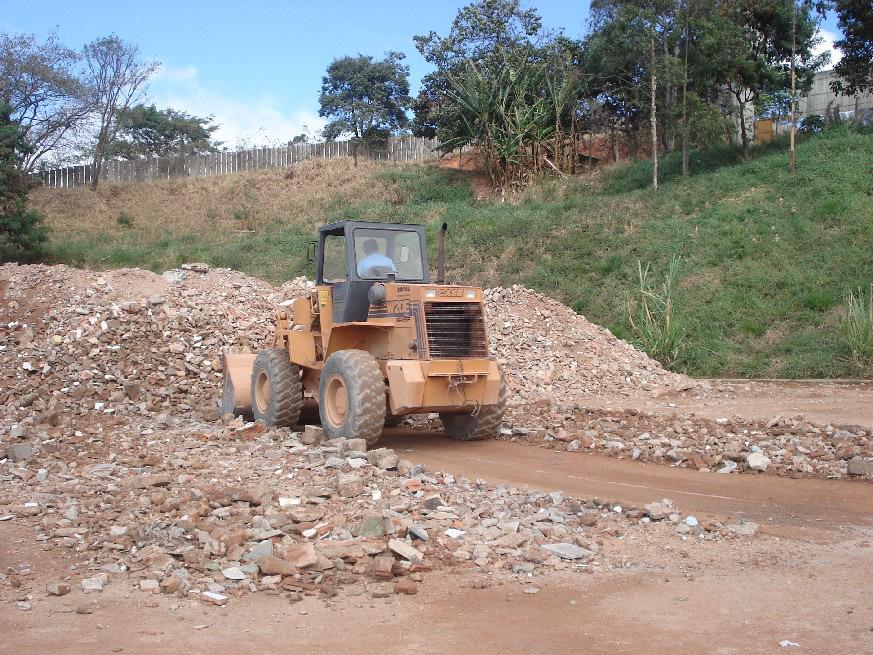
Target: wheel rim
[262,392]
[336,401]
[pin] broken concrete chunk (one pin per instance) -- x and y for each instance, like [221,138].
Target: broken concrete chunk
[406,551]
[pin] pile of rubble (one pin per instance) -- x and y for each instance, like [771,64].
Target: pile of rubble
[126,341]
[132,342]
[208,512]
[555,358]
[784,445]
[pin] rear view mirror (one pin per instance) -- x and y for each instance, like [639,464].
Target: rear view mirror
[311,249]
[404,254]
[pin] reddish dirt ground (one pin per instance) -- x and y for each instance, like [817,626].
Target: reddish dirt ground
[764,592]
[805,579]
[819,401]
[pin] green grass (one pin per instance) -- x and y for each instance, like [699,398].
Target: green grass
[767,258]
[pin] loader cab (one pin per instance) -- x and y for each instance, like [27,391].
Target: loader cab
[354,255]
[344,247]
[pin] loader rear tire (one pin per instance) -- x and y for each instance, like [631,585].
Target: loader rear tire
[484,425]
[277,390]
[352,396]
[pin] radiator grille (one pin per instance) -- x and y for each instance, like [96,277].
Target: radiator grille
[455,330]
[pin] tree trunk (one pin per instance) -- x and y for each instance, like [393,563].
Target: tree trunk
[95,174]
[743,136]
[616,150]
[574,153]
[792,153]
[654,126]
[591,146]
[685,172]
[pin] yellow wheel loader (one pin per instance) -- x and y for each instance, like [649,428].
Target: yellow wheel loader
[375,341]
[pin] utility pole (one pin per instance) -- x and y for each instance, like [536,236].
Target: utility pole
[654,127]
[792,153]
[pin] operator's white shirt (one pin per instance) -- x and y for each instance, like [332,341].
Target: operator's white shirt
[374,260]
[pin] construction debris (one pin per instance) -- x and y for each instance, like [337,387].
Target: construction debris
[114,450]
[784,445]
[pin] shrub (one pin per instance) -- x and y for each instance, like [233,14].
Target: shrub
[124,219]
[812,124]
[652,315]
[20,228]
[857,326]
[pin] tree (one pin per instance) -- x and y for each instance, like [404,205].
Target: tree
[651,33]
[40,86]
[20,227]
[146,131]
[115,77]
[747,46]
[365,98]
[490,33]
[856,67]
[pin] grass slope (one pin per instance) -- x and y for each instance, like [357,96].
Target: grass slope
[767,257]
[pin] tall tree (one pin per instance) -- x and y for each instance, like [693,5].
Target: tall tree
[746,45]
[365,98]
[856,67]
[116,77]
[39,85]
[489,33]
[20,227]
[146,131]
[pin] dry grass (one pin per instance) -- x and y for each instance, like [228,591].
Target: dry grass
[241,201]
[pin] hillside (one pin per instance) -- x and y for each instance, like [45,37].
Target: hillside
[766,257]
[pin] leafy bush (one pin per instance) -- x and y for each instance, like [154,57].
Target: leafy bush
[812,124]
[124,220]
[21,228]
[857,326]
[652,317]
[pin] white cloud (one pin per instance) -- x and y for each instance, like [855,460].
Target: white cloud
[827,45]
[254,121]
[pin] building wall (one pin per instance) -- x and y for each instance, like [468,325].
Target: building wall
[821,100]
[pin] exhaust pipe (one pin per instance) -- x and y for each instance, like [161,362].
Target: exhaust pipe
[441,255]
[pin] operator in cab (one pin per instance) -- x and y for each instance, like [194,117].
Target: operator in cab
[374,265]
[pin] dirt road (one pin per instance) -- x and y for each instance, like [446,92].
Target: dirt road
[821,401]
[782,506]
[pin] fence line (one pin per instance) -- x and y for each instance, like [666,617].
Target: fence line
[406,148]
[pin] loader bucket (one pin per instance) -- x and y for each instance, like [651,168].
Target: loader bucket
[236,396]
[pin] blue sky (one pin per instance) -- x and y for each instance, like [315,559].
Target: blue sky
[256,65]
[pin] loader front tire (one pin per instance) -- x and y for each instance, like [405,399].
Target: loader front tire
[352,396]
[277,390]
[484,425]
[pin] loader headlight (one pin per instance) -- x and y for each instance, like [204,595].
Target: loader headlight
[430,293]
[470,293]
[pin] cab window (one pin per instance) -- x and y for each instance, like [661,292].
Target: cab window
[335,267]
[379,252]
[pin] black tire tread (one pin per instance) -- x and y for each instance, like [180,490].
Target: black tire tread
[366,388]
[286,388]
[485,425]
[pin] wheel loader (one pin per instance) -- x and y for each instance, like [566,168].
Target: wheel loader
[374,342]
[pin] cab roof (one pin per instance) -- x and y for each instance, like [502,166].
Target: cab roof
[340,226]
